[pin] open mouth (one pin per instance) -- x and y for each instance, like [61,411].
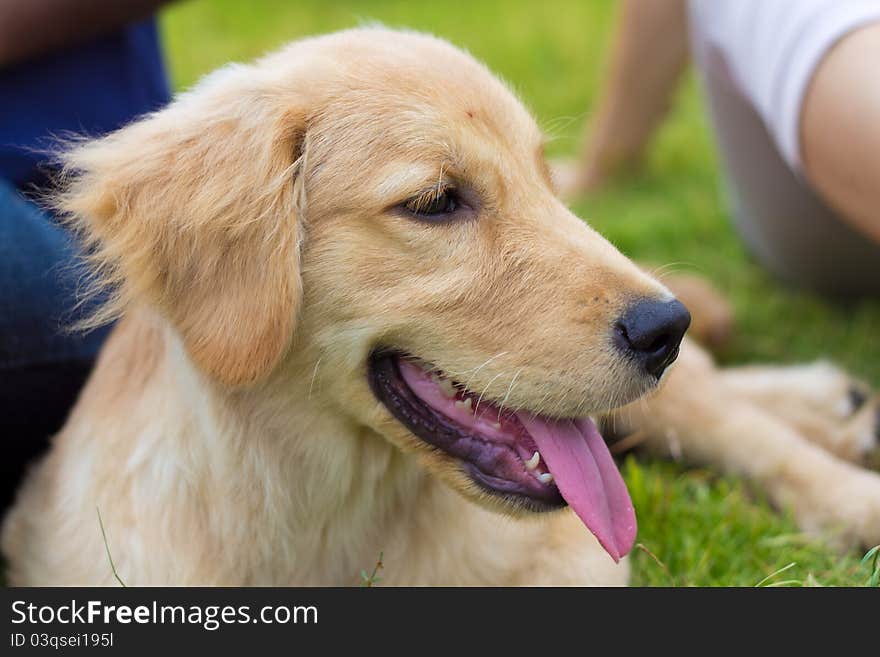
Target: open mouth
[531,461]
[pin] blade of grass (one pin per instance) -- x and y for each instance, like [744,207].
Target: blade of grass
[873,556]
[372,579]
[764,581]
[107,547]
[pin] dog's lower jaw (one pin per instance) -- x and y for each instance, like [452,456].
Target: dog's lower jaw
[212,492]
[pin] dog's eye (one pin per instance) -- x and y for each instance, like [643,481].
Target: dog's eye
[433,204]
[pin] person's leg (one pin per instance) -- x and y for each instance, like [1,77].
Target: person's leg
[756,60]
[840,130]
[782,220]
[647,58]
[42,363]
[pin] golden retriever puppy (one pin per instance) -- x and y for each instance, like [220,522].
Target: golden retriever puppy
[356,319]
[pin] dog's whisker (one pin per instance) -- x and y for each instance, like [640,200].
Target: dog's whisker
[557,124]
[680,263]
[673,268]
[643,405]
[507,394]
[666,274]
[540,407]
[486,362]
[314,374]
[485,388]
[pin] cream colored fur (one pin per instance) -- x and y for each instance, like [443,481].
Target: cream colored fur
[253,236]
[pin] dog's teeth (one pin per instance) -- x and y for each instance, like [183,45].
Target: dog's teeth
[533,462]
[465,404]
[497,425]
[545,478]
[446,388]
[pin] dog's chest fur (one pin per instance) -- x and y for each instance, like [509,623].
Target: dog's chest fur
[195,487]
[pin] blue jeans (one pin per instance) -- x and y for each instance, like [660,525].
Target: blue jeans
[43,364]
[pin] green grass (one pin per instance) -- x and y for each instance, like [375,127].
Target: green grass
[701,529]
[698,528]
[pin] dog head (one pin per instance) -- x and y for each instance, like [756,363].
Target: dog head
[381,202]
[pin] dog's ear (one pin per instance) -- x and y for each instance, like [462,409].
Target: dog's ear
[197,210]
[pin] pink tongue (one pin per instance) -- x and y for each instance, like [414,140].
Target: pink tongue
[587,478]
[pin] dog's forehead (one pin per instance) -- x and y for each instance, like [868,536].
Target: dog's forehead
[414,83]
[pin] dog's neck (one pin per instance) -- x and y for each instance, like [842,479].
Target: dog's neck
[265,486]
[331,494]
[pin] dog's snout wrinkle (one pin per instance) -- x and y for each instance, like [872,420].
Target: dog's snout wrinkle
[651,332]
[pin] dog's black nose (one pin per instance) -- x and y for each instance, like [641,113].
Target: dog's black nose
[651,332]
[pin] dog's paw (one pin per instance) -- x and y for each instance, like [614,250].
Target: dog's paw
[853,423]
[847,510]
[828,389]
[868,435]
[824,403]
[861,431]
